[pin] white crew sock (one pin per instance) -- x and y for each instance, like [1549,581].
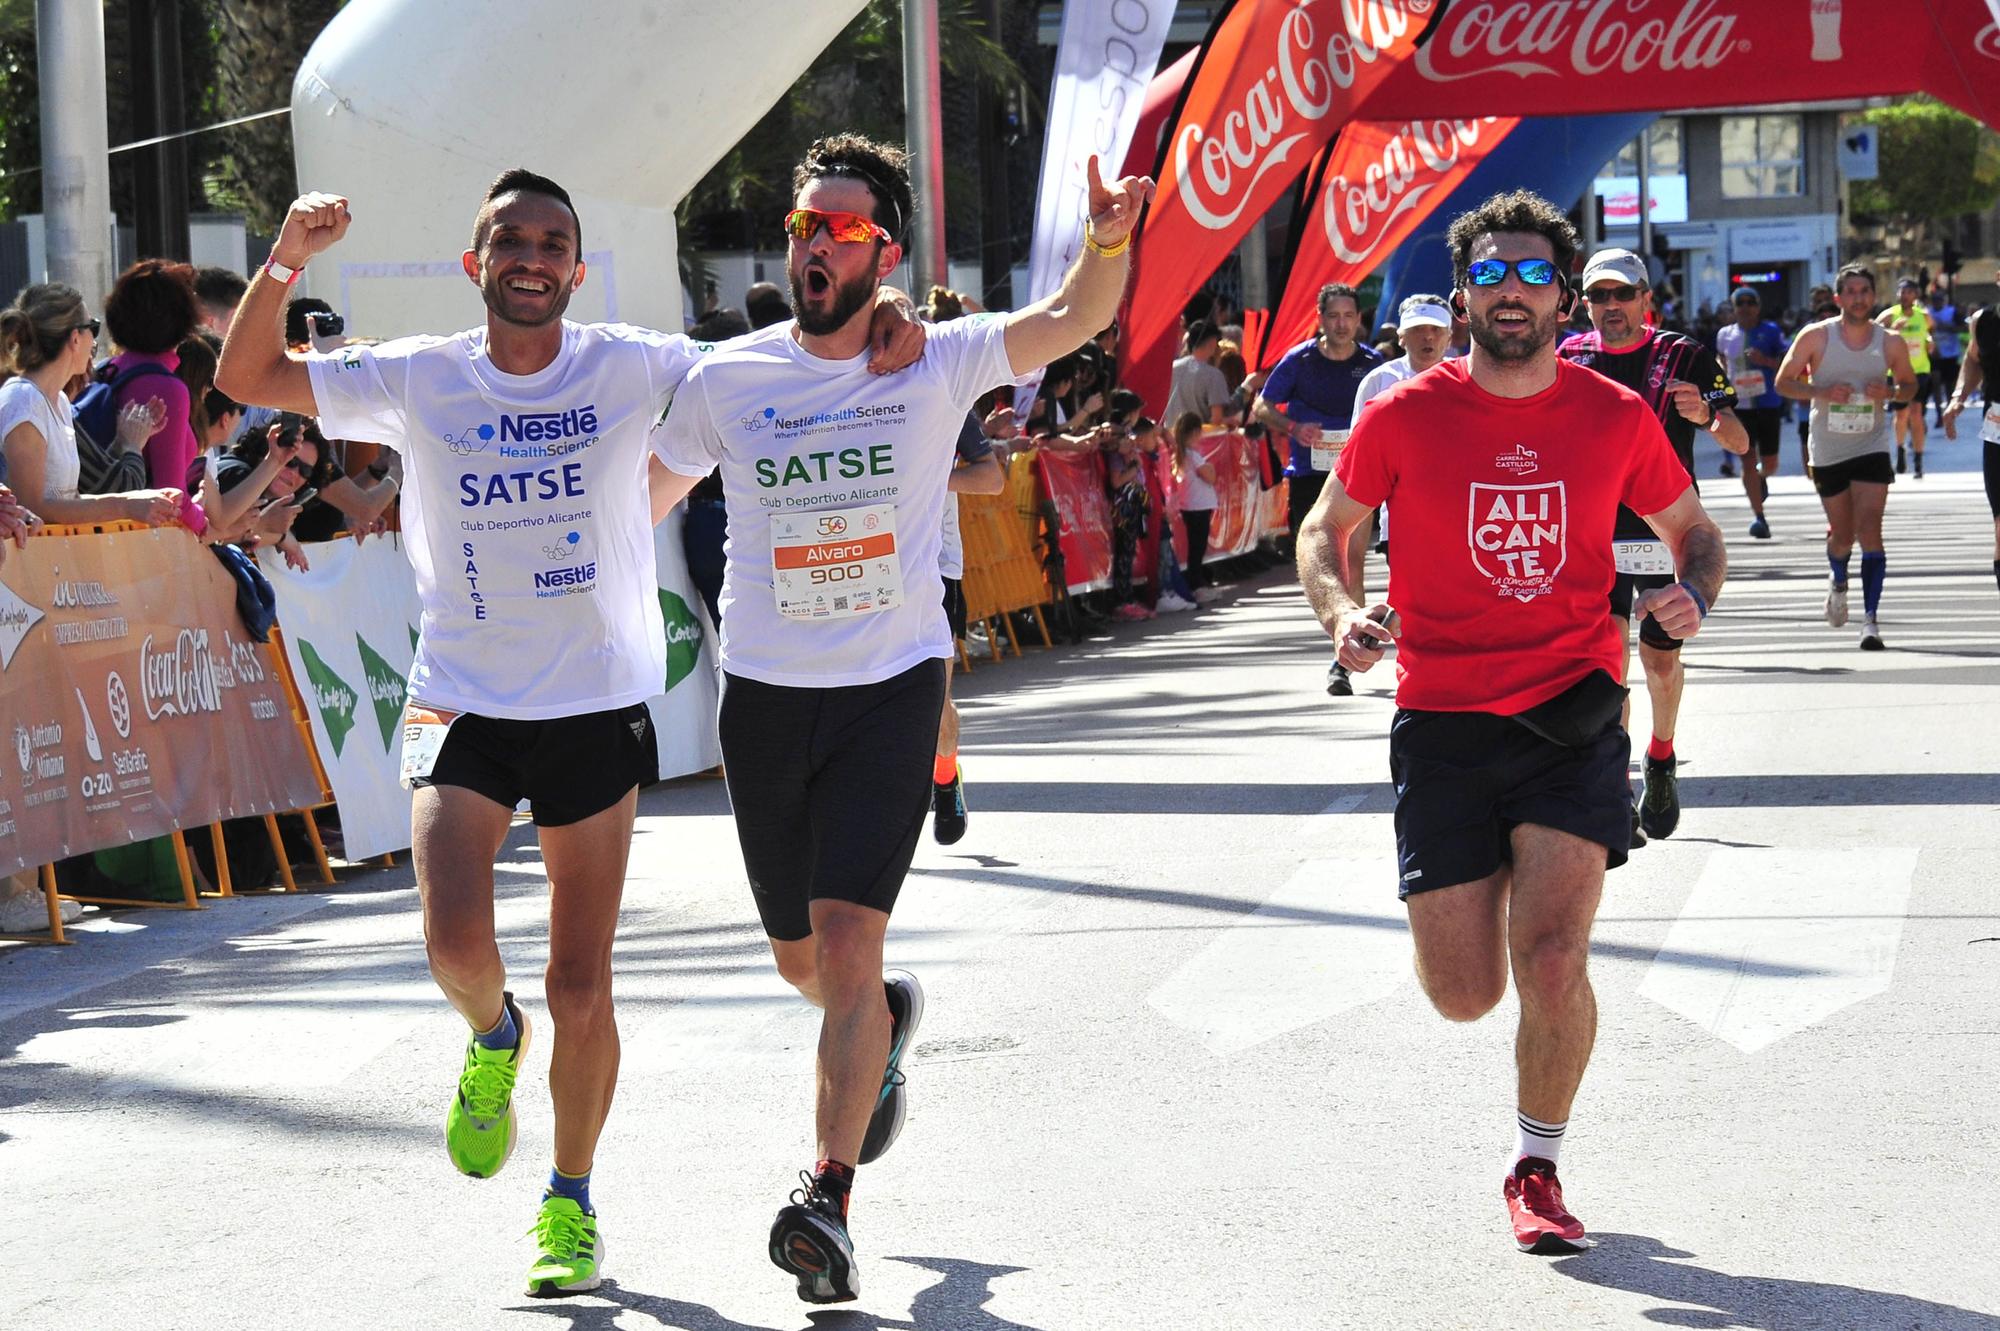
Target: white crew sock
[1536,1138]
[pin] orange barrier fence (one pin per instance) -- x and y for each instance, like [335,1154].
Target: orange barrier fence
[139,707]
[1003,574]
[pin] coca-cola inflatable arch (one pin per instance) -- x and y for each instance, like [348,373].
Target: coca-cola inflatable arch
[1278,79]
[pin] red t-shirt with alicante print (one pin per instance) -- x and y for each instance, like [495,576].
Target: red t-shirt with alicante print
[1501,512]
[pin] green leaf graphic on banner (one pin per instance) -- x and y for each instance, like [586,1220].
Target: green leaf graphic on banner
[414,636]
[683,638]
[385,690]
[331,694]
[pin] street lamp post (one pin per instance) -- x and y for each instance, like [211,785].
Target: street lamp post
[924,135]
[76,143]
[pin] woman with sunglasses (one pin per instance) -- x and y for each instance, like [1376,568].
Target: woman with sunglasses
[264,483]
[47,338]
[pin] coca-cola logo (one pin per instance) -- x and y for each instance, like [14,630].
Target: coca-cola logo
[182,681]
[1360,214]
[1587,37]
[1987,43]
[1217,167]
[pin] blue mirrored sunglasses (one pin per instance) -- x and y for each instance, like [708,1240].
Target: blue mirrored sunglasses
[1492,272]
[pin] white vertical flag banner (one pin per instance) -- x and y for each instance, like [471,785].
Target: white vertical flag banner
[1110,51]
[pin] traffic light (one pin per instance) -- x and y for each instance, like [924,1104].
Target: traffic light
[1952,259]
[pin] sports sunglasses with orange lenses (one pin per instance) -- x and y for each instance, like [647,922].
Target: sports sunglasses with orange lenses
[845,228]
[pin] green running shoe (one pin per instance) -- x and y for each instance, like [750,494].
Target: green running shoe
[479,1127]
[572,1253]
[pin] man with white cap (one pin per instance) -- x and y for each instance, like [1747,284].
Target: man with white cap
[1688,389]
[1423,326]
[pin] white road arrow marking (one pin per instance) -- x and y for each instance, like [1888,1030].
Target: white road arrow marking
[1333,937]
[1802,934]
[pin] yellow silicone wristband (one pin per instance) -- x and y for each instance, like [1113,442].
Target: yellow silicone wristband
[1104,251]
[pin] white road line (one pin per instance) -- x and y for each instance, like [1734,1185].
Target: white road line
[1805,933]
[1331,938]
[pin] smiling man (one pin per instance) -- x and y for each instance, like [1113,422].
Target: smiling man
[1503,473]
[834,635]
[526,455]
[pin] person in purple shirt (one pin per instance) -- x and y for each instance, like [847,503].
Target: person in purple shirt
[151,309]
[1309,400]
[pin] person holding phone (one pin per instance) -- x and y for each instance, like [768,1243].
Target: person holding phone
[259,488]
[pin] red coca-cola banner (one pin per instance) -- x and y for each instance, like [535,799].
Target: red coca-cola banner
[1276,79]
[1583,57]
[1370,188]
[1075,481]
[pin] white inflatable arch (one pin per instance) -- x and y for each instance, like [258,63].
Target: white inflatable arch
[411,107]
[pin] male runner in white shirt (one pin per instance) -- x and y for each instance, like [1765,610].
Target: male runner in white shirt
[525,445]
[833,632]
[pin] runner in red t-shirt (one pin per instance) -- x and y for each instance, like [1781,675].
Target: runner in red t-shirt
[1507,752]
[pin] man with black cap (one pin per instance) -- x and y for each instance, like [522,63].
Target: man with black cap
[1685,385]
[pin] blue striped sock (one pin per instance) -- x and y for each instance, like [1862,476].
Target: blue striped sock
[1874,572]
[505,1035]
[576,1188]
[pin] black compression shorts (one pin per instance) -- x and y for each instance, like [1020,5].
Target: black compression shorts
[830,787]
[567,768]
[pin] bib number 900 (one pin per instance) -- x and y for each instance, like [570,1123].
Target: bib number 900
[836,573]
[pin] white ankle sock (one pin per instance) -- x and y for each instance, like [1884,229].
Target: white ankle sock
[1536,1138]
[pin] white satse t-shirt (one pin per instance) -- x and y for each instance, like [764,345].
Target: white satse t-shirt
[525,504]
[23,403]
[795,434]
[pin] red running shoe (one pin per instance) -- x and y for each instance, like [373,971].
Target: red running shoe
[1542,1224]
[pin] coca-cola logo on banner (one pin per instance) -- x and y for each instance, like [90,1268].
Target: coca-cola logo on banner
[1217,166]
[1987,43]
[1360,214]
[1587,37]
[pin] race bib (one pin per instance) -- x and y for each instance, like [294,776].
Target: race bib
[1646,557]
[424,731]
[836,563]
[1989,426]
[1327,452]
[1749,383]
[1850,417]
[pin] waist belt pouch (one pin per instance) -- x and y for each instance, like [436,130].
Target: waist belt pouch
[1579,714]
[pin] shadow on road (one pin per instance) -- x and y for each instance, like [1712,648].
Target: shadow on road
[955,1303]
[1646,1266]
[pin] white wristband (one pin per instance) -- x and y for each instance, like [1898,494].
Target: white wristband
[282,273]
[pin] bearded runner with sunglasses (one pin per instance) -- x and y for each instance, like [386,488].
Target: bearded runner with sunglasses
[1688,389]
[833,630]
[1503,473]
[525,444]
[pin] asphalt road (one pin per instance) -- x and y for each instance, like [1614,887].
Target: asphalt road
[1175,1072]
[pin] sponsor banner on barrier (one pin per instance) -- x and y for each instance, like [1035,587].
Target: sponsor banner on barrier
[1075,481]
[350,628]
[1237,525]
[133,700]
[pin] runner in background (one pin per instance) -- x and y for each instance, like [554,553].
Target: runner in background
[1912,323]
[1423,325]
[1309,402]
[1945,330]
[1687,389]
[1844,368]
[1981,350]
[977,472]
[1751,348]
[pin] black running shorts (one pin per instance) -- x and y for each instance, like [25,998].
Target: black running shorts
[567,768]
[830,788]
[954,606]
[1990,454]
[1763,424]
[1923,396]
[1465,780]
[1834,478]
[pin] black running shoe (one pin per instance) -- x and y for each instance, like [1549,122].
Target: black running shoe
[1638,832]
[809,1239]
[1660,799]
[948,810]
[1338,685]
[906,1012]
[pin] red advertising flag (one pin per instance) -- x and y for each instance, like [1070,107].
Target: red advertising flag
[1585,57]
[1075,481]
[1371,187]
[1276,80]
